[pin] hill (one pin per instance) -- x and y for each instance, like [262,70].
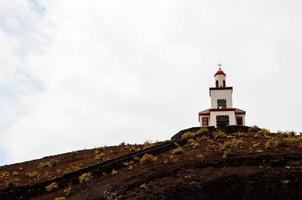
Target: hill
[201,164]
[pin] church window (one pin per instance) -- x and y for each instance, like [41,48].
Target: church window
[239,121]
[221,103]
[217,83]
[205,121]
[223,83]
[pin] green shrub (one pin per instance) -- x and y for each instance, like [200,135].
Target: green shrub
[219,135]
[273,143]
[254,129]
[147,158]
[232,144]
[202,131]
[178,150]
[263,132]
[187,135]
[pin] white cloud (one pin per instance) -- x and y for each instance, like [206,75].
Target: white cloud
[76,74]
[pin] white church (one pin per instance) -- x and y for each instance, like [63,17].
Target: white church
[222,113]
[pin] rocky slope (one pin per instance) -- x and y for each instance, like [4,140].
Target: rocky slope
[201,165]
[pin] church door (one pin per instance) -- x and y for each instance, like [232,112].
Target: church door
[222,121]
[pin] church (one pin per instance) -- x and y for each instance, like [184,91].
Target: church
[222,113]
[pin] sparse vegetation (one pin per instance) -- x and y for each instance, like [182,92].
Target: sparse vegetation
[263,132]
[67,191]
[254,129]
[51,163]
[226,154]
[99,156]
[147,158]
[32,174]
[51,187]
[193,143]
[133,149]
[206,149]
[200,156]
[15,173]
[202,131]
[188,135]
[4,175]
[273,143]
[114,172]
[86,177]
[60,198]
[256,145]
[178,150]
[219,135]
[232,144]
[148,144]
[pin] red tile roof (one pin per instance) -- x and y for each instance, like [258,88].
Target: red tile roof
[219,72]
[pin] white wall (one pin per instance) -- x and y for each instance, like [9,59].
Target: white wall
[213,114]
[220,79]
[221,94]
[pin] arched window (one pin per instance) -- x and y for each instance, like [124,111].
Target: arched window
[223,83]
[216,83]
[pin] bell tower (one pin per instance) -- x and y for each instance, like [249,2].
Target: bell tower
[221,95]
[222,113]
[220,77]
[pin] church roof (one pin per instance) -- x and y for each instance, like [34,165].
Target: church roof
[207,112]
[220,72]
[239,111]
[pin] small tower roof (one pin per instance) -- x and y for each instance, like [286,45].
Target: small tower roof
[219,72]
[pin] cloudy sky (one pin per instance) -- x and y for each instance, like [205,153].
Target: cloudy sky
[79,74]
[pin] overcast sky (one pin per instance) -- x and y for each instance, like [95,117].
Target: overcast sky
[78,74]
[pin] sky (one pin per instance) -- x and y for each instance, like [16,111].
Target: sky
[78,74]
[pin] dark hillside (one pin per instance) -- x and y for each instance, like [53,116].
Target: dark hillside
[200,165]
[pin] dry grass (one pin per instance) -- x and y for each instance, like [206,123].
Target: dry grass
[86,177]
[219,135]
[46,164]
[51,187]
[32,174]
[60,198]
[147,158]
[114,172]
[67,191]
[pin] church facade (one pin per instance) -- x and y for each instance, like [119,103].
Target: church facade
[222,113]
